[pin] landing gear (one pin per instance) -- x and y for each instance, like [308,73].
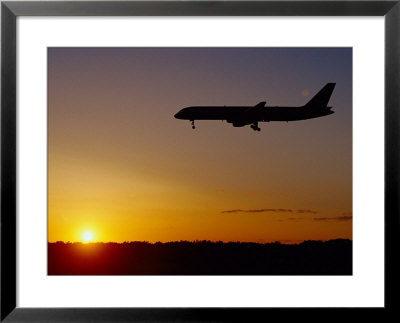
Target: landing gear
[193,126]
[255,127]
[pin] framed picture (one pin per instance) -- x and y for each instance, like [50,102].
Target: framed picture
[124,197]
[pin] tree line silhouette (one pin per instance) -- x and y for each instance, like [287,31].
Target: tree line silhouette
[333,257]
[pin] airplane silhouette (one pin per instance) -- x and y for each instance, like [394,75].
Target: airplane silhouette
[241,116]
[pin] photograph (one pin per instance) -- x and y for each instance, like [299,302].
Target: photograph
[200,161]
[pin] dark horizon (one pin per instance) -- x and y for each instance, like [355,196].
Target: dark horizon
[333,257]
[283,242]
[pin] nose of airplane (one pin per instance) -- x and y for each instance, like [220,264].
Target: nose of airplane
[178,115]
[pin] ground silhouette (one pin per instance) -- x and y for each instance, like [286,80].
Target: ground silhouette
[333,257]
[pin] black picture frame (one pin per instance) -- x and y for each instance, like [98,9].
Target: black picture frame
[10,10]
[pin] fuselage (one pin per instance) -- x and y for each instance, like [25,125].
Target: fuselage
[240,116]
[245,114]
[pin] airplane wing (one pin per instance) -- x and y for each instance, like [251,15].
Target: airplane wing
[260,105]
[257,106]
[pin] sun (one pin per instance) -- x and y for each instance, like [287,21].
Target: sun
[87,236]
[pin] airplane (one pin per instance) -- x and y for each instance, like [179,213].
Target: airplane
[240,116]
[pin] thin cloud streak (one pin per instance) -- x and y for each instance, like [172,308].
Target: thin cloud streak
[270,210]
[337,218]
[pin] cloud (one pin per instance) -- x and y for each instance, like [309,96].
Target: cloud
[257,211]
[344,218]
[336,218]
[269,210]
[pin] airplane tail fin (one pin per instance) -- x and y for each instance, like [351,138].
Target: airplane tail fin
[321,99]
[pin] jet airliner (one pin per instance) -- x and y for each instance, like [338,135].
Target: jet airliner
[240,116]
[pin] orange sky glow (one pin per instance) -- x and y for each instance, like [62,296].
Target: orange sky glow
[122,168]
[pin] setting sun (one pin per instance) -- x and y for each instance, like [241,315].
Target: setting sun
[87,236]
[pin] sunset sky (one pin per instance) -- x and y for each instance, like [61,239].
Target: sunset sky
[122,168]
